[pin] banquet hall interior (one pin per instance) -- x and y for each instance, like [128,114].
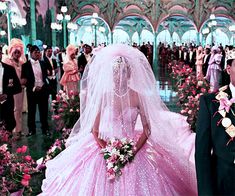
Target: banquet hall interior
[168,32]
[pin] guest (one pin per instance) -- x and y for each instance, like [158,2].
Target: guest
[71,75]
[52,71]
[206,60]
[214,70]
[199,62]
[215,144]
[16,59]
[192,57]
[34,75]
[84,58]
[9,86]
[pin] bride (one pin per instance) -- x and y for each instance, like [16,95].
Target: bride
[119,99]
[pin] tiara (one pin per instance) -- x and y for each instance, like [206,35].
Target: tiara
[230,54]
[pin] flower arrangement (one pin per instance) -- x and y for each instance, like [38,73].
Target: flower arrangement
[117,154]
[66,109]
[189,89]
[189,93]
[15,170]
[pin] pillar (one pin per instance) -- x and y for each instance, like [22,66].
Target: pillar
[33,20]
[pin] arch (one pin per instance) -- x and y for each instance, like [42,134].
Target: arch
[187,36]
[89,14]
[134,15]
[83,34]
[216,15]
[144,38]
[175,14]
[121,36]
[222,38]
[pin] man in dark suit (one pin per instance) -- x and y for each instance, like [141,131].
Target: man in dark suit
[84,58]
[9,85]
[34,75]
[52,71]
[192,57]
[215,143]
[206,60]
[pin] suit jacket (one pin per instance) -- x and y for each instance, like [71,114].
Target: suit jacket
[11,85]
[215,159]
[205,65]
[27,73]
[48,64]
[8,75]
[82,62]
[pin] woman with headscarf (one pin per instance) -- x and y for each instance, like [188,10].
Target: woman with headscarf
[16,58]
[119,99]
[71,75]
[199,62]
[214,70]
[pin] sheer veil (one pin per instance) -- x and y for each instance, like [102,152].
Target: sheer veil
[110,80]
[99,90]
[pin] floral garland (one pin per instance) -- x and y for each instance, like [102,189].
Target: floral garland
[224,108]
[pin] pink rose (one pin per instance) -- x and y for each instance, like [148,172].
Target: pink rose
[26,170]
[28,158]
[61,110]
[56,117]
[26,177]
[25,182]
[24,149]
[19,150]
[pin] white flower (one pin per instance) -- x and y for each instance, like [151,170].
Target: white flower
[61,92]
[115,168]
[122,157]
[115,152]
[110,165]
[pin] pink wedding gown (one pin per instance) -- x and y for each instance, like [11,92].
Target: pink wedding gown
[80,169]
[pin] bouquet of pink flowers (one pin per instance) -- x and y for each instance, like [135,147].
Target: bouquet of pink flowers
[15,170]
[117,154]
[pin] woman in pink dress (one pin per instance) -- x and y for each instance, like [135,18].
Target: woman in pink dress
[16,59]
[71,75]
[119,99]
[199,62]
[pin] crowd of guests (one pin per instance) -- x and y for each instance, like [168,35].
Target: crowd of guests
[36,76]
[208,63]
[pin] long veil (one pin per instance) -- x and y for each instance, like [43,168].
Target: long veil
[99,88]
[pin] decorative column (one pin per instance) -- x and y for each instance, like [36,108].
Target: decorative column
[111,36]
[53,33]
[155,54]
[65,33]
[33,20]
[198,39]
[95,27]
[9,26]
